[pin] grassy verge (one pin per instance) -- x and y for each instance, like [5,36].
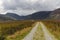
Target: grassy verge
[19,35]
[53,27]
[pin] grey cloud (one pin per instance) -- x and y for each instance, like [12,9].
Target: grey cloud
[23,5]
[10,5]
[13,5]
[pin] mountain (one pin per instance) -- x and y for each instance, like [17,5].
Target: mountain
[48,15]
[15,16]
[39,15]
[55,14]
[35,16]
[5,18]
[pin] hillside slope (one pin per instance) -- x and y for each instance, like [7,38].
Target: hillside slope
[55,14]
[5,18]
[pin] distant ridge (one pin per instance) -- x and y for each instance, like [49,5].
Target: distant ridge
[5,18]
[13,15]
[34,16]
[41,15]
[55,14]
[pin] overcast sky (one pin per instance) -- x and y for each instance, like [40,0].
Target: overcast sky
[25,7]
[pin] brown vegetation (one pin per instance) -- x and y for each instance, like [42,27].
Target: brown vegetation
[53,27]
[9,28]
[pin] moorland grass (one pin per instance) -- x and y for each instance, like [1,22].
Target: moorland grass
[11,27]
[53,27]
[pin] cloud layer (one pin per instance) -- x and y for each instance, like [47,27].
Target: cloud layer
[25,7]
